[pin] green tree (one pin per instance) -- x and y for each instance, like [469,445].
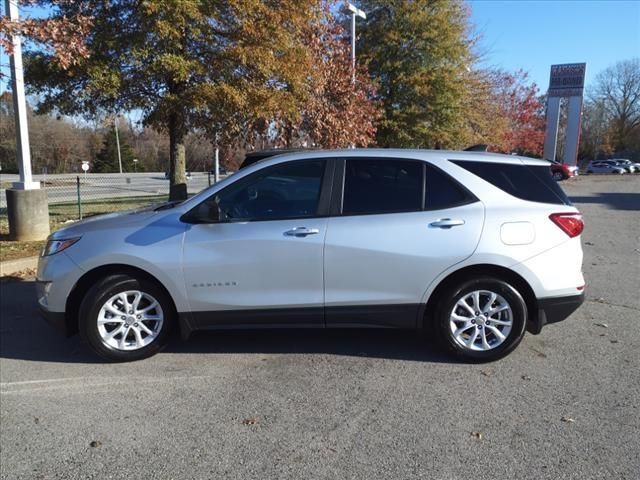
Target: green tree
[185,64]
[419,54]
[107,158]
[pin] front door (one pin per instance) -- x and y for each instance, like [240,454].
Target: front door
[261,263]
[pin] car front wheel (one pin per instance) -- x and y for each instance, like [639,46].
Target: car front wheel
[123,318]
[481,319]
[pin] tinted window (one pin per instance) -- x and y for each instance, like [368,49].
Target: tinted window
[382,186]
[443,191]
[285,191]
[533,183]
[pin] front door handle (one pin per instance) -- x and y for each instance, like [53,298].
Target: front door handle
[447,223]
[301,232]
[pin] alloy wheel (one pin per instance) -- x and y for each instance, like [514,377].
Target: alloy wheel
[130,320]
[481,320]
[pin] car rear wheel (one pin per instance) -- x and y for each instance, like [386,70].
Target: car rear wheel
[123,318]
[481,319]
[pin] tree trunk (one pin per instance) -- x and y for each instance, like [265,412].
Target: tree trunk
[177,160]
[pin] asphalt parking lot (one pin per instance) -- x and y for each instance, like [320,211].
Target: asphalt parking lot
[343,404]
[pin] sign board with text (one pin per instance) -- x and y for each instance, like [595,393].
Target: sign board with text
[567,80]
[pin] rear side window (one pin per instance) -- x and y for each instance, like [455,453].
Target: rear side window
[527,182]
[443,191]
[382,186]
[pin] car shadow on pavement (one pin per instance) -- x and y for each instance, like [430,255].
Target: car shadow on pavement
[372,343]
[24,335]
[616,201]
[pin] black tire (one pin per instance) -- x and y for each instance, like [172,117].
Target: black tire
[450,297]
[100,293]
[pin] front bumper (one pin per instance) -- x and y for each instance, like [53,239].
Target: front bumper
[554,309]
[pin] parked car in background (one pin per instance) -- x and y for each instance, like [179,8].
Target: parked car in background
[561,171]
[472,248]
[630,166]
[603,166]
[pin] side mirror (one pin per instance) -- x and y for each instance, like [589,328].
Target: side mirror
[206,212]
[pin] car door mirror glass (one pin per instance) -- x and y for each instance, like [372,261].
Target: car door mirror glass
[207,212]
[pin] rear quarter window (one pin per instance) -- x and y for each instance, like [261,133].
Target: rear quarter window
[527,182]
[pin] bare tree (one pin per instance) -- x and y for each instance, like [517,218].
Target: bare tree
[618,89]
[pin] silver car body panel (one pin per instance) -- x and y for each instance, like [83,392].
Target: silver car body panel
[360,260]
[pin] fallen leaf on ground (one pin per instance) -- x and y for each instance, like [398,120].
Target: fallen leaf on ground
[95,443]
[568,420]
[613,341]
[485,373]
[476,435]
[249,421]
[540,354]
[526,377]
[603,325]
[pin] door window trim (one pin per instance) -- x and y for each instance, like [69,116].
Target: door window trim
[324,200]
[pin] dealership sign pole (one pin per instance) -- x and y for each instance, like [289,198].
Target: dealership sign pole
[566,81]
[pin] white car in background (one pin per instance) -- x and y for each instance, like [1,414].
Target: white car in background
[605,166]
[631,167]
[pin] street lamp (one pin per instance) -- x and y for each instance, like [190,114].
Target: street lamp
[355,11]
[135,165]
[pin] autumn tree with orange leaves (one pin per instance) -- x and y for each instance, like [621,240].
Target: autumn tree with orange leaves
[521,111]
[63,36]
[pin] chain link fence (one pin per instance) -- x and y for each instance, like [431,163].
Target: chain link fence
[75,196]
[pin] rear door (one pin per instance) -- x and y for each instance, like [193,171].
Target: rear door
[399,224]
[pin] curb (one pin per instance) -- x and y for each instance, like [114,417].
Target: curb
[14,266]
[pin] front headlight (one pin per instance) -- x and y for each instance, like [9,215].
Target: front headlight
[56,246]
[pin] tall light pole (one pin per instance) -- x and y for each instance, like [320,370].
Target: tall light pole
[27,207]
[20,106]
[355,12]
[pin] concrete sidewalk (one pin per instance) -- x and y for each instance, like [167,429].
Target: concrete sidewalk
[11,267]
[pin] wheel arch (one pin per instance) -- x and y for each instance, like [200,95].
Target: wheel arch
[503,273]
[86,281]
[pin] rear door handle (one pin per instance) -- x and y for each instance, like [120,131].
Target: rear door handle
[447,223]
[301,232]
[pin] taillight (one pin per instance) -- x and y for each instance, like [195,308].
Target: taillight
[570,223]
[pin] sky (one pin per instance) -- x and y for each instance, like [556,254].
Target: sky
[532,35]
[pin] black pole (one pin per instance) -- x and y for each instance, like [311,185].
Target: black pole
[79,201]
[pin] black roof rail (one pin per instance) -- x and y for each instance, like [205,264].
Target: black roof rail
[252,157]
[481,147]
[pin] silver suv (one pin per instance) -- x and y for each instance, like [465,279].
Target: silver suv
[472,248]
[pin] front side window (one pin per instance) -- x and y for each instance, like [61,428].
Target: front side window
[374,186]
[281,192]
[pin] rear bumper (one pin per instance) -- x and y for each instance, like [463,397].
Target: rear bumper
[554,309]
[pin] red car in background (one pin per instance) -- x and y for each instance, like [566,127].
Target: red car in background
[560,171]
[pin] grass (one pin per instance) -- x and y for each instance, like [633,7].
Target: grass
[61,215]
